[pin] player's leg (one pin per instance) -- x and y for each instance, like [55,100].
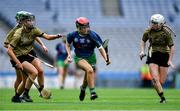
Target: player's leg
[16,97]
[90,76]
[83,88]
[21,86]
[154,70]
[18,87]
[32,72]
[162,78]
[18,78]
[62,72]
[163,74]
[40,77]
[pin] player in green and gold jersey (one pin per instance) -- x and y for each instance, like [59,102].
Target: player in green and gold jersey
[160,53]
[21,49]
[20,81]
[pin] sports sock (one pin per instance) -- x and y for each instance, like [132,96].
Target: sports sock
[92,90]
[26,92]
[161,95]
[17,95]
[41,88]
[83,87]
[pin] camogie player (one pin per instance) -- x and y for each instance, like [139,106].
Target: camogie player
[21,52]
[84,42]
[160,53]
[20,81]
[61,65]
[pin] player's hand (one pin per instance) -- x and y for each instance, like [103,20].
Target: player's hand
[19,66]
[60,36]
[69,59]
[45,48]
[142,55]
[171,64]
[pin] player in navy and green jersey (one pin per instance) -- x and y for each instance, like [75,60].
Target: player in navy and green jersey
[160,52]
[21,49]
[20,77]
[84,42]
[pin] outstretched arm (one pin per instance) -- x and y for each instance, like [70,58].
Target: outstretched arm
[51,37]
[38,40]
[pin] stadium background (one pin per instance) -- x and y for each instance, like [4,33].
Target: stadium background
[121,21]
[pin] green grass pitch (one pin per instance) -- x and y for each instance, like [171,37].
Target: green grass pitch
[109,99]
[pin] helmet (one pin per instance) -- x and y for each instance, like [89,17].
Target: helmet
[22,15]
[82,21]
[157,19]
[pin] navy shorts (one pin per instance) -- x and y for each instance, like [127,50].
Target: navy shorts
[23,58]
[159,58]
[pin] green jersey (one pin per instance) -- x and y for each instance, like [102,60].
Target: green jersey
[23,41]
[159,40]
[9,36]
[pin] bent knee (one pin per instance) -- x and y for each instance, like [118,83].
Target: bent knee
[40,72]
[155,81]
[90,71]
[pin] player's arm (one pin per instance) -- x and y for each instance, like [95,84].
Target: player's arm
[51,37]
[143,44]
[68,49]
[13,57]
[142,47]
[38,40]
[103,53]
[171,53]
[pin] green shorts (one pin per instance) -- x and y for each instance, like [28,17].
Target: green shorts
[91,60]
[61,63]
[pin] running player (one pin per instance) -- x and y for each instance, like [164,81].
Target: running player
[84,41]
[21,49]
[20,77]
[160,52]
[62,66]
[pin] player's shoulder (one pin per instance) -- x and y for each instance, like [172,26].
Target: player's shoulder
[74,33]
[166,30]
[19,31]
[147,30]
[16,27]
[93,33]
[35,29]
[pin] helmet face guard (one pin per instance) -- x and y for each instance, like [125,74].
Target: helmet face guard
[82,24]
[157,21]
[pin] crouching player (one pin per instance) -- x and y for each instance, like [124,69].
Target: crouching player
[21,47]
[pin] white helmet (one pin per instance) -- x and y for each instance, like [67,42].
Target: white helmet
[157,18]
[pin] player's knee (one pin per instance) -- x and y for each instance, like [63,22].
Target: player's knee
[40,72]
[34,74]
[154,81]
[90,71]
